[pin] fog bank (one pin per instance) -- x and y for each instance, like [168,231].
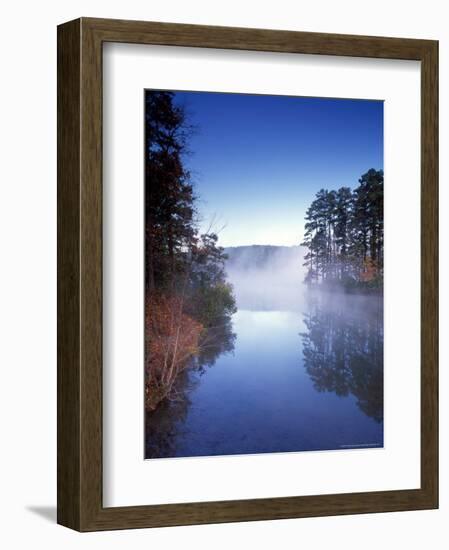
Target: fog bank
[267,277]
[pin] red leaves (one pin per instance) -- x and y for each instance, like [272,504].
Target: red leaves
[171,339]
[370,270]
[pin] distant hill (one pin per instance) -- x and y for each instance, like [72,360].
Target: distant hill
[263,256]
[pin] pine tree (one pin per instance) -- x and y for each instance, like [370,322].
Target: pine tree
[344,234]
[343,214]
[169,198]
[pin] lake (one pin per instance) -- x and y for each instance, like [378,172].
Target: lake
[301,373]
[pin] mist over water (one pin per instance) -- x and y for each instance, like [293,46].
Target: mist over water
[267,277]
[303,372]
[273,364]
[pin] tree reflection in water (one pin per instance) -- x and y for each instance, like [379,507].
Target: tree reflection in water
[164,426]
[343,348]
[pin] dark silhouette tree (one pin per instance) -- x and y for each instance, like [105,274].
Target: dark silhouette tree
[188,303]
[169,198]
[344,235]
[343,215]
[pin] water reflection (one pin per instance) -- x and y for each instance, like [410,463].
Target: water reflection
[165,426]
[218,340]
[269,390]
[343,348]
[162,426]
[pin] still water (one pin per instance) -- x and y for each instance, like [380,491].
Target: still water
[302,376]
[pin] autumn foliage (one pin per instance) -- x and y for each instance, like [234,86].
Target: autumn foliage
[370,271]
[171,340]
[188,299]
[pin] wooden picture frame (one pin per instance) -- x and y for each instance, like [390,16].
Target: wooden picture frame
[80,503]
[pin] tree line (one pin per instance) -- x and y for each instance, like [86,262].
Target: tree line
[344,235]
[188,300]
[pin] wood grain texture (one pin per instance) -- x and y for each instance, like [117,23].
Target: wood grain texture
[80,274]
[69,407]
[429,271]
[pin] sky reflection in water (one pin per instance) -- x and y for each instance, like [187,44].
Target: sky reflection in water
[303,380]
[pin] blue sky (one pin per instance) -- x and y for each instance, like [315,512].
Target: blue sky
[257,161]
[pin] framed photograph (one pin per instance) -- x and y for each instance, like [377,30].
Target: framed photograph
[247,274]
